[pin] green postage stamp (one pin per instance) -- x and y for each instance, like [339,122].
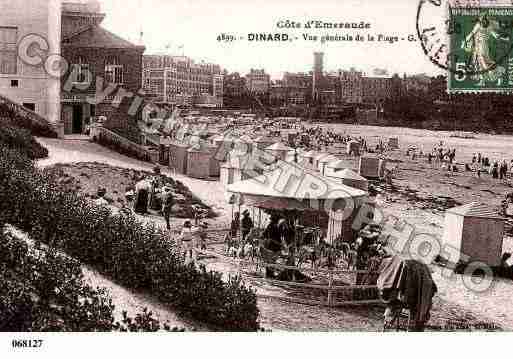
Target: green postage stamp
[481,44]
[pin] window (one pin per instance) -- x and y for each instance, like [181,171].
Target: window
[8,56]
[15,83]
[113,71]
[81,71]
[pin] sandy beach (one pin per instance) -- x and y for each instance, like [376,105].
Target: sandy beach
[412,178]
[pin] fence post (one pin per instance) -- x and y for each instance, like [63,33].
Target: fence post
[330,285]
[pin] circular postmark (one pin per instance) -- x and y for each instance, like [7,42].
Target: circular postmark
[466,38]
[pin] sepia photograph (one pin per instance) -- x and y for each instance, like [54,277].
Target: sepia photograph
[270,167]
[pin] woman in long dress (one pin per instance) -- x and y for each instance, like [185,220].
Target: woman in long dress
[478,43]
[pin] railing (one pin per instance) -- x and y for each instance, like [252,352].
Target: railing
[353,291]
[108,138]
[34,118]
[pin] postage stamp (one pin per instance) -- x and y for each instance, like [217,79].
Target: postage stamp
[471,40]
[481,44]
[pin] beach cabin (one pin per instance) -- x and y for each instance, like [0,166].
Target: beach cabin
[178,157]
[294,156]
[372,167]
[279,150]
[474,230]
[307,159]
[318,157]
[323,162]
[336,166]
[243,145]
[234,170]
[165,143]
[353,148]
[198,163]
[393,143]
[215,163]
[350,178]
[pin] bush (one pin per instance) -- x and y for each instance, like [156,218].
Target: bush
[22,141]
[139,256]
[45,291]
[9,116]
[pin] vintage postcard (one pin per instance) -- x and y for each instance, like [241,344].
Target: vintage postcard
[239,166]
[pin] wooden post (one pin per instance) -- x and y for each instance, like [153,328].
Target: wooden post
[330,285]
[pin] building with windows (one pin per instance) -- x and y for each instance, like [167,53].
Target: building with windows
[104,71]
[178,80]
[22,82]
[351,86]
[258,82]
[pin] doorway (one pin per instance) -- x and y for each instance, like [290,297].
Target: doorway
[77,119]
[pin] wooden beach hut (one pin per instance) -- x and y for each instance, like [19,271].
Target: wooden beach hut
[372,167]
[178,157]
[474,231]
[350,178]
[198,163]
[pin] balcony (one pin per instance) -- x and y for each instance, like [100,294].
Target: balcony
[91,7]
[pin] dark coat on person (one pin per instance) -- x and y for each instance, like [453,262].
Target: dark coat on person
[410,282]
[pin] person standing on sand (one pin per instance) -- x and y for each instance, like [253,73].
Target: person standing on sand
[246,225]
[235,225]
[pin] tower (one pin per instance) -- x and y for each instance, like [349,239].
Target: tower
[317,74]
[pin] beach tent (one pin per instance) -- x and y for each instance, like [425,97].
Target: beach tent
[215,162]
[372,167]
[279,150]
[307,192]
[350,178]
[475,230]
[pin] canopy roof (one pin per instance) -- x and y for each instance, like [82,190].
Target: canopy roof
[290,186]
[245,138]
[279,146]
[338,164]
[263,139]
[309,154]
[349,174]
[475,209]
[327,159]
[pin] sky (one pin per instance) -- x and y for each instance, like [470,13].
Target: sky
[196,24]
